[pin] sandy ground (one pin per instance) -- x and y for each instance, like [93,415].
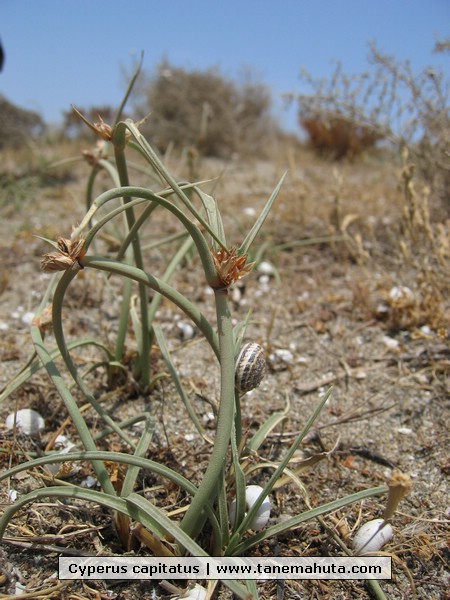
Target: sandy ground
[330,312]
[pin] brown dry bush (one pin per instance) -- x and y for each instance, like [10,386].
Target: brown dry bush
[18,125]
[336,137]
[389,102]
[205,110]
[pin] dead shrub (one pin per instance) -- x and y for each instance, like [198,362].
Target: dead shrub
[389,102]
[205,110]
[18,125]
[337,137]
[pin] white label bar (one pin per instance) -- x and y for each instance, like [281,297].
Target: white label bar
[199,567]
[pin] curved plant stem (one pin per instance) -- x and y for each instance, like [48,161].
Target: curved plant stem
[143,193]
[194,518]
[167,276]
[276,475]
[58,331]
[376,590]
[119,141]
[72,409]
[123,320]
[117,457]
[160,168]
[112,266]
[135,229]
[134,506]
[34,364]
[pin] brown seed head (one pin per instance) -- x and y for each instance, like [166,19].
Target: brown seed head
[72,248]
[53,261]
[44,321]
[70,251]
[94,155]
[100,127]
[103,129]
[229,266]
[400,485]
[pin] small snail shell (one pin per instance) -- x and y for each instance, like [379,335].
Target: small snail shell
[252,493]
[370,538]
[250,367]
[27,420]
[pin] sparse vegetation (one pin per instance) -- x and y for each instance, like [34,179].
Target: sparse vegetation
[337,137]
[17,125]
[354,292]
[344,115]
[205,110]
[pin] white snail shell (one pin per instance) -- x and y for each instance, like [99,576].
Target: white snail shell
[27,420]
[250,367]
[370,538]
[252,493]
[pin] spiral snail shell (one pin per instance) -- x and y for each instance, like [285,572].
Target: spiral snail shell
[250,367]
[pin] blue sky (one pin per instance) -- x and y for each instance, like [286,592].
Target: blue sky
[63,52]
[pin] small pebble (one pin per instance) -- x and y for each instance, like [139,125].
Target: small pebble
[405,430]
[12,495]
[186,330]
[401,294]
[390,342]
[19,589]
[382,309]
[282,355]
[264,279]
[27,318]
[360,374]
[266,268]
[89,482]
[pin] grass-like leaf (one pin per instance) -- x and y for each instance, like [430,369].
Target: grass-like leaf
[121,458]
[177,381]
[276,475]
[268,425]
[250,237]
[34,364]
[294,522]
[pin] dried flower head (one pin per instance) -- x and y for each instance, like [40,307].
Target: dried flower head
[72,248]
[400,485]
[94,155]
[44,321]
[229,266]
[101,128]
[53,261]
[70,251]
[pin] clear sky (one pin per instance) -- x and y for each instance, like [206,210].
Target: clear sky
[63,52]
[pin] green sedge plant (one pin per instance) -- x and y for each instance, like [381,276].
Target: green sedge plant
[206,528]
